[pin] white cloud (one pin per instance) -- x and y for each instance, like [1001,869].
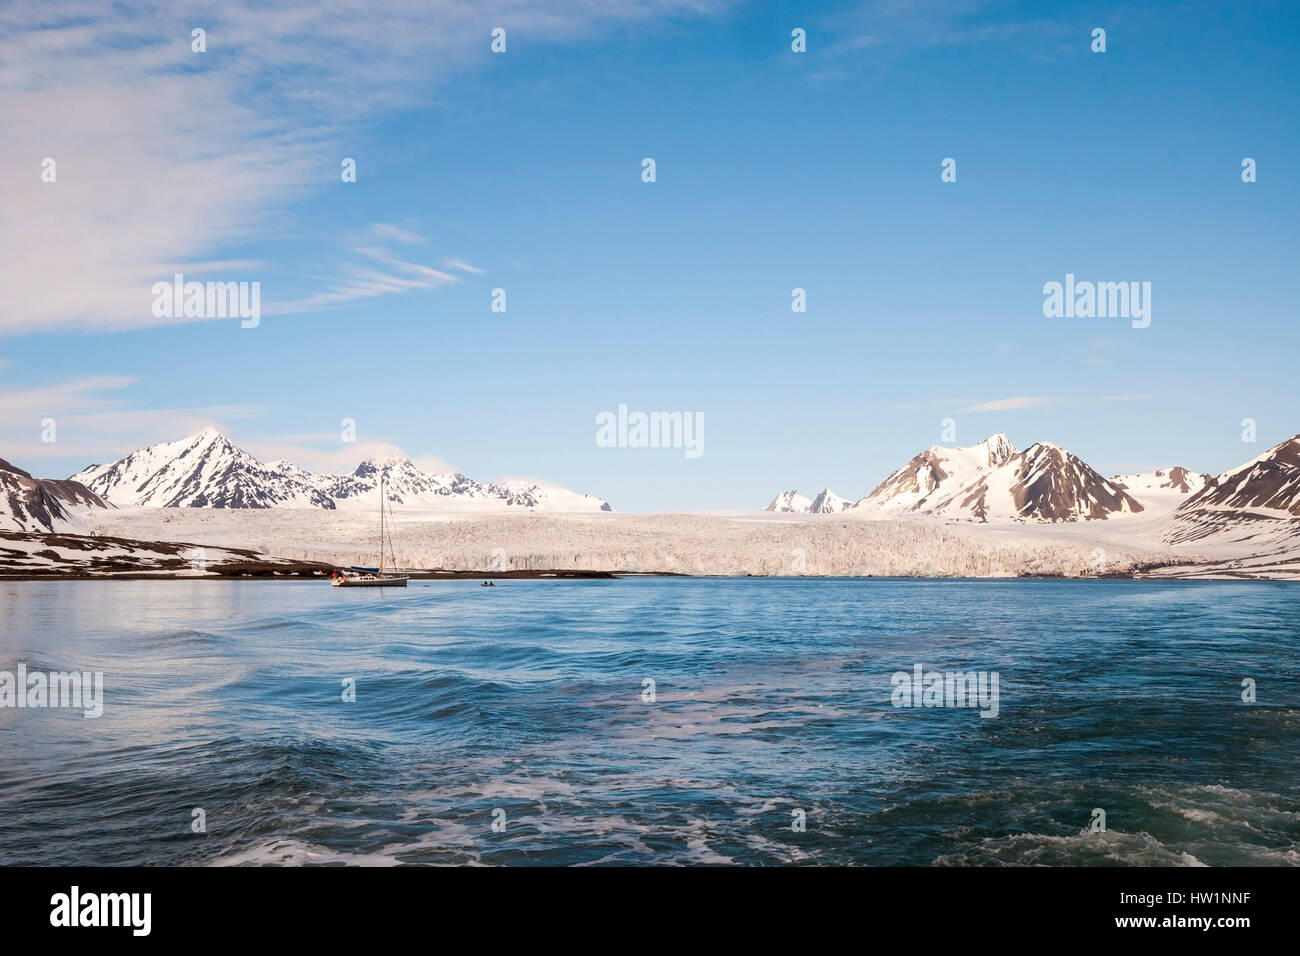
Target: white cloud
[360,282]
[76,395]
[94,422]
[1034,401]
[1009,404]
[396,233]
[911,24]
[163,156]
[462,266]
[433,465]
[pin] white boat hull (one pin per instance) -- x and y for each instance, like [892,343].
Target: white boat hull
[369,581]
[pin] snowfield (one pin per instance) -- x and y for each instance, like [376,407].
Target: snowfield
[758,543]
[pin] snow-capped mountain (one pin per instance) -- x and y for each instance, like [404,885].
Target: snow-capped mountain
[405,485]
[208,471]
[828,502]
[1164,489]
[1271,481]
[203,471]
[935,473]
[988,481]
[1255,505]
[789,502]
[1042,483]
[41,504]
[540,496]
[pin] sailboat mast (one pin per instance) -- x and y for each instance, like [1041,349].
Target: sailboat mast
[381,522]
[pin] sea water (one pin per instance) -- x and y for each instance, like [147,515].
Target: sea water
[654,721]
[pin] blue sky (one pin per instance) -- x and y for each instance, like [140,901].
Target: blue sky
[775,170]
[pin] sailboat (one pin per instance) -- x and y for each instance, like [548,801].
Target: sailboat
[374,577]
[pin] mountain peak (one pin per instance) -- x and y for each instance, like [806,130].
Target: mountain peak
[383,463]
[912,487]
[999,448]
[210,440]
[205,470]
[1162,489]
[41,504]
[789,502]
[991,481]
[828,502]
[1270,481]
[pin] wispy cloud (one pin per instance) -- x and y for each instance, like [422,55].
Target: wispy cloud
[163,156]
[385,274]
[888,30]
[1034,401]
[909,24]
[396,233]
[94,421]
[460,265]
[75,395]
[1010,404]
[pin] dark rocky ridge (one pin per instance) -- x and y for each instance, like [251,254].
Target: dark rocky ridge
[37,503]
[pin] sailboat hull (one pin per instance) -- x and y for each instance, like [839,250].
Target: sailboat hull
[369,582]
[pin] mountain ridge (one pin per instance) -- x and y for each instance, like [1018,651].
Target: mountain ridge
[992,480]
[207,470]
[40,504]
